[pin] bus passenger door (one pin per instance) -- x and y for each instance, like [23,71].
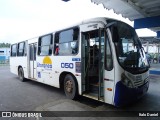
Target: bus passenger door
[32,61]
[93,64]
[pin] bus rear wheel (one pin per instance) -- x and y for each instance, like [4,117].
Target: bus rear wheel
[21,74]
[70,87]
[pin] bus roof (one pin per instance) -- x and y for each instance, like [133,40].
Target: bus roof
[97,19]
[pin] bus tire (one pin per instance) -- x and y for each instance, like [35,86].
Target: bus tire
[70,87]
[21,74]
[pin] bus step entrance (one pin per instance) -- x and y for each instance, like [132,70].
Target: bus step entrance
[93,96]
[94,88]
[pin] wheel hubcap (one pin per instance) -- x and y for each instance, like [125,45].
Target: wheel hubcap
[69,86]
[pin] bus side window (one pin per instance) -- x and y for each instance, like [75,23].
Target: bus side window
[13,50]
[21,49]
[56,45]
[56,49]
[66,42]
[44,45]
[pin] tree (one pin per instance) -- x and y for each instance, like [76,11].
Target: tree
[2,45]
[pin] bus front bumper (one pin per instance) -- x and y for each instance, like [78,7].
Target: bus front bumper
[125,95]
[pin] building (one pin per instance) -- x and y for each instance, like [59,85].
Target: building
[4,54]
[151,44]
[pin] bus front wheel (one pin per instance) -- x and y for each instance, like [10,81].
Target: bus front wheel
[21,74]
[70,87]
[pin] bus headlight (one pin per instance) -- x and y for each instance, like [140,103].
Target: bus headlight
[127,82]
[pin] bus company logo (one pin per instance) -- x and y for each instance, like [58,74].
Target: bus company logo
[47,63]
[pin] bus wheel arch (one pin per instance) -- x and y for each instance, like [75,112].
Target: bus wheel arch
[69,84]
[21,73]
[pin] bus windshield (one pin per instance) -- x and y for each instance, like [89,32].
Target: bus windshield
[129,50]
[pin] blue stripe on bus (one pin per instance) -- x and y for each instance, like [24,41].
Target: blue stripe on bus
[125,95]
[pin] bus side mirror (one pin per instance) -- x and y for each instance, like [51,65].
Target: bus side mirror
[115,34]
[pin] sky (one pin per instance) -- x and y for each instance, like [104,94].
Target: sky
[24,19]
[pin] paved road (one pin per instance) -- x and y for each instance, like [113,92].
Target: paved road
[29,96]
[17,95]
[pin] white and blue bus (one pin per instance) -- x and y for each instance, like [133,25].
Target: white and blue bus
[100,58]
